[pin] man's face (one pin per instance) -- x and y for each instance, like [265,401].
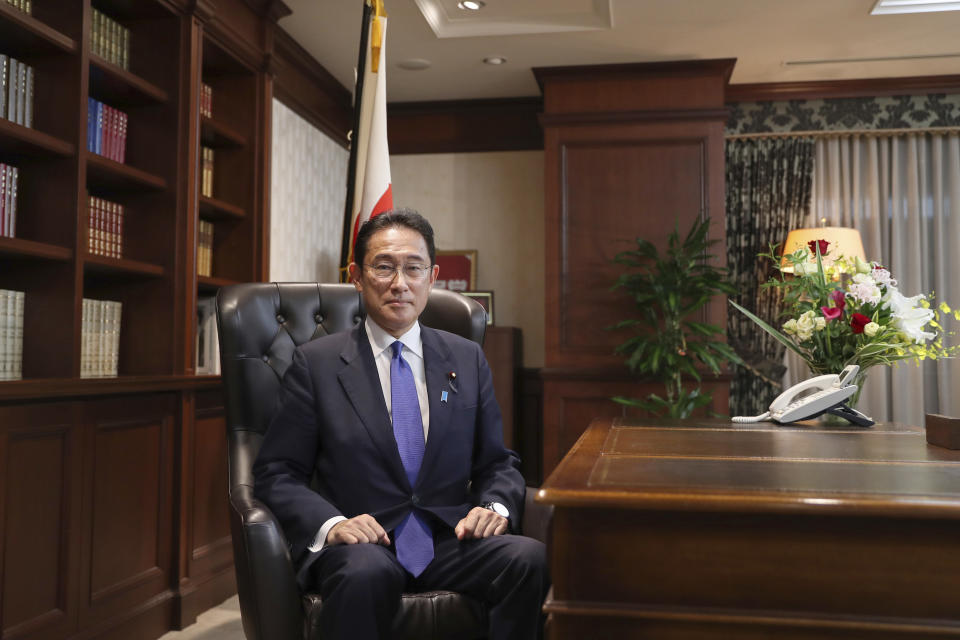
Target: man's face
[394,303]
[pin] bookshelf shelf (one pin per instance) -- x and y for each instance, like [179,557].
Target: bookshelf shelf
[218,135]
[24,35]
[40,388]
[28,249]
[210,284]
[120,266]
[120,88]
[116,176]
[218,209]
[17,140]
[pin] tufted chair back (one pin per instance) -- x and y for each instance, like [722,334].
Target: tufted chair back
[261,324]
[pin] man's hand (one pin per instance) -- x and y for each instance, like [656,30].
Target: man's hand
[481,523]
[358,530]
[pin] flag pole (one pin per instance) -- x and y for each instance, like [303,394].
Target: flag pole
[354,135]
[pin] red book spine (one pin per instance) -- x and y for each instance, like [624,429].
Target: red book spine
[123,137]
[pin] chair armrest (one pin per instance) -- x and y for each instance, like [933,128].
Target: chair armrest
[536,517]
[270,604]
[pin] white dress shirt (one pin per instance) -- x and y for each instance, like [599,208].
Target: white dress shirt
[380,342]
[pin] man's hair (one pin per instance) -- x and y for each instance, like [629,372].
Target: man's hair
[402,217]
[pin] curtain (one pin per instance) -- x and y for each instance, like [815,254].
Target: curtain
[768,193]
[903,194]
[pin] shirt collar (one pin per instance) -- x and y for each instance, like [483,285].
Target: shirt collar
[380,340]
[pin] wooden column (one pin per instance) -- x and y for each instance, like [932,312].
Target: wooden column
[629,150]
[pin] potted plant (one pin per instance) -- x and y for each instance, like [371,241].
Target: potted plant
[667,345]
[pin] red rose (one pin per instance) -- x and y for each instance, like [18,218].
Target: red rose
[831,313]
[823,244]
[858,321]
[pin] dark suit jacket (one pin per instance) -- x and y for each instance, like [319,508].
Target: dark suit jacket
[331,450]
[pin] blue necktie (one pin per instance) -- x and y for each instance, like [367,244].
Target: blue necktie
[413,538]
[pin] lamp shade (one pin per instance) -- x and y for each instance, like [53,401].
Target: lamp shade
[843,241]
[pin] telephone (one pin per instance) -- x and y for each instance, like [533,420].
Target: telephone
[830,393]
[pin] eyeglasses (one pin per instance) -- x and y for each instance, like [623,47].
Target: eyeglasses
[386,271]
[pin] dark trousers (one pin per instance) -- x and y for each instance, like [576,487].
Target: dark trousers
[361,584]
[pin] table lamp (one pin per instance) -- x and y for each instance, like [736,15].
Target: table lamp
[843,241]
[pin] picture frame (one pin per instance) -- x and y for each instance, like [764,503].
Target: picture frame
[485,298]
[458,270]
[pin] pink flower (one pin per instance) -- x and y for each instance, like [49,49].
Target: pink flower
[858,321]
[831,313]
[839,299]
[823,244]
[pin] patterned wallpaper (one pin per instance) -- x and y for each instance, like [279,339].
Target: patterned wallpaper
[839,114]
[307,195]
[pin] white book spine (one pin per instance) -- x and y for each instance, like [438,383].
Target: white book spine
[115,343]
[10,322]
[18,336]
[28,99]
[3,199]
[101,338]
[4,323]
[85,339]
[21,91]
[12,71]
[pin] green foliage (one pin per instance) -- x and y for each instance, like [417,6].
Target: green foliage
[667,289]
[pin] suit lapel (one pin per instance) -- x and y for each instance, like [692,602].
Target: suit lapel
[361,383]
[438,363]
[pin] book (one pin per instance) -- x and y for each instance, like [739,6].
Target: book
[11,334]
[4,65]
[207,338]
[206,178]
[21,92]
[100,328]
[12,88]
[28,99]
[3,199]
[10,203]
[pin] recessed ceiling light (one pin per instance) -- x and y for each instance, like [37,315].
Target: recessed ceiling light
[495,60]
[414,64]
[913,6]
[471,5]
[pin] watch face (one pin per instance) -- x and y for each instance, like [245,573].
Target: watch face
[500,509]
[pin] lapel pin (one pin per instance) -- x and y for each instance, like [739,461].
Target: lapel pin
[443,396]
[453,381]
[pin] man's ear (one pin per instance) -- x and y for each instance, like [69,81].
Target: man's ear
[354,270]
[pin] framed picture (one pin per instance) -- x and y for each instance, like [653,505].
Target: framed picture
[458,270]
[485,298]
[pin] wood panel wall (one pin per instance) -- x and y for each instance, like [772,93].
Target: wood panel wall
[630,150]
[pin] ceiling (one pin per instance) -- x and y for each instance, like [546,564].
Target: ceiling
[773,40]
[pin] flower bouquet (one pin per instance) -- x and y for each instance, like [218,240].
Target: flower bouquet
[851,312]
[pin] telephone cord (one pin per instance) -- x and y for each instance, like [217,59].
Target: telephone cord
[759,418]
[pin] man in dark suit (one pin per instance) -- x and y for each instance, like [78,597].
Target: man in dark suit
[385,464]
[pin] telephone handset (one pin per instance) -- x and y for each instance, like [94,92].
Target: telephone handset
[830,393]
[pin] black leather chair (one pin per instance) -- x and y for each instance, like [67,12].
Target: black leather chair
[260,325]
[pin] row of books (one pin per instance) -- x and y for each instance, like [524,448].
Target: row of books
[9,176]
[208,339]
[99,338]
[16,91]
[206,100]
[106,130]
[11,334]
[110,40]
[105,228]
[206,171]
[24,5]
[205,248]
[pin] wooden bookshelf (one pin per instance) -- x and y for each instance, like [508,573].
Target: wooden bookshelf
[112,473]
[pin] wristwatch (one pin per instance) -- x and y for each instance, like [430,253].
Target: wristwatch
[497,508]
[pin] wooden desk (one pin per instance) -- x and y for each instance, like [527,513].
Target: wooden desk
[715,530]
